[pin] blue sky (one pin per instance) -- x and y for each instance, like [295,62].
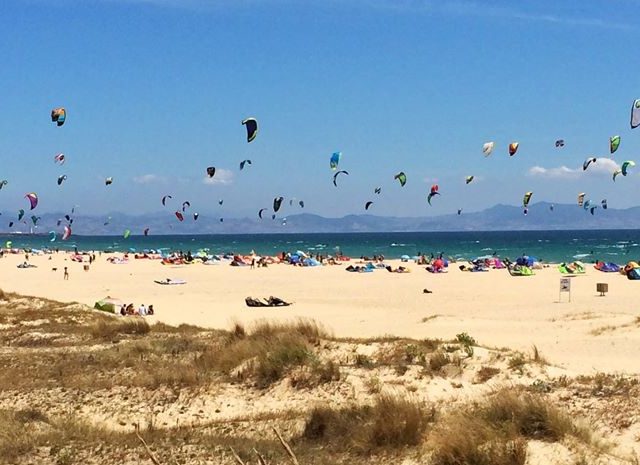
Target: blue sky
[156,89]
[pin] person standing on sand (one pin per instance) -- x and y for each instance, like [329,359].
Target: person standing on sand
[66,274]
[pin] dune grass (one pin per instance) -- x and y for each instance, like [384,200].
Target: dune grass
[496,431]
[110,328]
[391,422]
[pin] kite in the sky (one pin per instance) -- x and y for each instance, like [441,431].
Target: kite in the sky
[468,179]
[66,233]
[487,148]
[552,207]
[335,160]
[401,177]
[433,193]
[587,204]
[587,162]
[179,216]
[604,204]
[368,204]
[220,202]
[146,231]
[126,234]
[108,181]
[301,203]
[185,205]
[614,143]
[459,211]
[59,158]
[3,183]
[164,199]
[635,114]
[252,128]
[277,202]
[35,219]
[593,209]
[32,197]
[195,216]
[20,214]
[560,143]
[616,173]
[526,199]
[377,190]
[244,162]
[513,148]
[260,212]
[52,236]
[624,169]
[211,171]
[335,176]
[58,116]
[61,179]
[581,199]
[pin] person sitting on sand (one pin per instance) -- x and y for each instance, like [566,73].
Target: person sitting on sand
[142,310]
[130,309]
[150,310]
[123,310]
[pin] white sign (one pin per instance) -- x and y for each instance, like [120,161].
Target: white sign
[565,285]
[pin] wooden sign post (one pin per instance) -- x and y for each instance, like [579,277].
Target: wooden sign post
[565,287]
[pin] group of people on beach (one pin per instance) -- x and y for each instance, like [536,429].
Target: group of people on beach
[130,310]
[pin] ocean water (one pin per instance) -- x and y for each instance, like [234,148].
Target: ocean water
[551,246]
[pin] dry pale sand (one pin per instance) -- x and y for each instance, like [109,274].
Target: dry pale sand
[591,333]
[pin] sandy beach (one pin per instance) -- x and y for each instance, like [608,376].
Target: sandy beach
[587,335]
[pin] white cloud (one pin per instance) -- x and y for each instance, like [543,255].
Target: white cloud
[222,176]
[602,166]
[148,179]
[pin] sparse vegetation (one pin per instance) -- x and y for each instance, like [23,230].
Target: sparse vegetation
[496,431]
[486,373]
[391,422]
[467,342]
[110,328]
[438,360]
[517,362]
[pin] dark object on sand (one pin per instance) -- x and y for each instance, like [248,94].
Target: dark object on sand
[270,302]
[427,291]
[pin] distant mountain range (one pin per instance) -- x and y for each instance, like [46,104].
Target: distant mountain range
[497,218]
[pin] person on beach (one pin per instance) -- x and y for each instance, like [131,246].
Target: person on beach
[142,310]
[123,310]
[66,274]
[150,310]
[253,263]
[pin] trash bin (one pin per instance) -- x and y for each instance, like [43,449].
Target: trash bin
[602,288]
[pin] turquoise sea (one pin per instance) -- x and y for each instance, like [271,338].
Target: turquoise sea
[551,246]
